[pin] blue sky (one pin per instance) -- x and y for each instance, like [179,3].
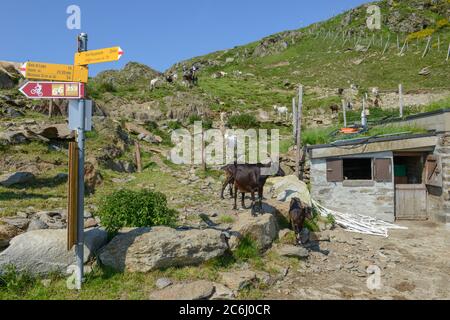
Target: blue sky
[157,33]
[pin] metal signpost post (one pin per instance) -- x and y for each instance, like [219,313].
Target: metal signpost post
[71,86]
[82,46]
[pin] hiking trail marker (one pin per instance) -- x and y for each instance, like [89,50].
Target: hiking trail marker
[98,56]
[54,72]
[53,90]
[69,83]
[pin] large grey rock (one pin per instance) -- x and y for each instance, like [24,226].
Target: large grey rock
[292,252]
[41,252]
[10,179]
[221,292]
[12,137]
[163,283]
[146,249]
[18,222]
[263,229]
[198,290]
[7,232]
[238,280]
[37,224]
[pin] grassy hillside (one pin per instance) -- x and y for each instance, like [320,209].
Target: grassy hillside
[323,57]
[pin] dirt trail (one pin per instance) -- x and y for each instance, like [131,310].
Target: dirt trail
[414,264]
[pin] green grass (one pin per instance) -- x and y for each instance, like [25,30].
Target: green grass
[226,219]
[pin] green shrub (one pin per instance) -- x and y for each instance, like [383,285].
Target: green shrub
[243,121]
[247,250]
[193,118]
[174,125]
[15,282]
[126,208]
[206,123]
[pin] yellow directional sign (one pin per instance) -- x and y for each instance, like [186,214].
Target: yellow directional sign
[54,72]
[98,56]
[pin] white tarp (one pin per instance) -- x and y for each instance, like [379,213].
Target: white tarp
[357,222]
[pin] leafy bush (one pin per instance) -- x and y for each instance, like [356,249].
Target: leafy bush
[243,121]
[14,282]
[206,123]
[174,125]
[193,118]
[126,208]
[247,250]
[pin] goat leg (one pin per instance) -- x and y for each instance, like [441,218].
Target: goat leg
[235,197]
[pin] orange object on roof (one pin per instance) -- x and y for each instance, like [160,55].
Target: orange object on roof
[349,130]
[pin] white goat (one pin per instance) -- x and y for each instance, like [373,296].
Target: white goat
[153,83]
[281,110]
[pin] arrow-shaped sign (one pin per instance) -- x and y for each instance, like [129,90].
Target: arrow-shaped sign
[98,56]
[53,90]
[56,72]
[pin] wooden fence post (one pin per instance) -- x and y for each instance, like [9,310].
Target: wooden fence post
[344,112]
[138,156]
[427,47]
[448,52]
[294,119]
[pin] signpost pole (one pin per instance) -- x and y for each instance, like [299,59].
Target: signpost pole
[82,46]
[400,95]
[299,132]
[344,112]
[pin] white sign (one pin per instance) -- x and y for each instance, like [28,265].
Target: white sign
[75,115]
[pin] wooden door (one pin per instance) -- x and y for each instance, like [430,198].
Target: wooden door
[411,202]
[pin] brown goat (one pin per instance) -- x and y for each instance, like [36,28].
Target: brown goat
[298,213]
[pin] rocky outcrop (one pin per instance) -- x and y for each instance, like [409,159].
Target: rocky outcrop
[10,179]
[146,249]
[238,280]
[7,232]
[197,290]
[42,252]
[263,229]
[9,74]
[286,188]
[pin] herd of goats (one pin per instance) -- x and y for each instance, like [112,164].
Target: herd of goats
[249,178]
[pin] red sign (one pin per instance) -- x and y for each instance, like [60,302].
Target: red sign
[53,90]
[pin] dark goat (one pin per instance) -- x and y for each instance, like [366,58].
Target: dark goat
[298,213]
[229,170]
[334,108]
[249,178]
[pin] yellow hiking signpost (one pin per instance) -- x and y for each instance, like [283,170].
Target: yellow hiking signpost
[98,56]
[80,117]
[54,72]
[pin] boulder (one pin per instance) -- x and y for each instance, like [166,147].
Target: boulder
[146,249]
[286,188]
[7,232]
[10,179]
[198,290]
[120,166]
[41,252]
[37,224]
[222,293]
[163,283]
[292,251]
[12,137]
[92,178]
[55,131]
[262,228]
[18,222]
[238,280]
